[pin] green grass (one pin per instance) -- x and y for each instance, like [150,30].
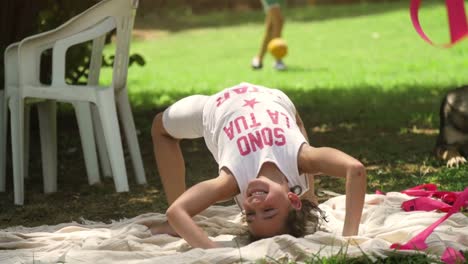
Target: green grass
[341,257]
[367,46]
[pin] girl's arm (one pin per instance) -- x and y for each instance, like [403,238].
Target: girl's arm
[300,124]
[310,194]
[195,200]
[333,162]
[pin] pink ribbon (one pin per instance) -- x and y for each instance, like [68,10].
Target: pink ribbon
[456,17]
[430,190]
[425,204]
[418,242]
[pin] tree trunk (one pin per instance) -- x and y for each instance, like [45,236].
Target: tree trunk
[18,19]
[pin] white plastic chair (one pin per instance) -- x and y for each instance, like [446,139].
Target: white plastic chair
[95,106]
[2,141]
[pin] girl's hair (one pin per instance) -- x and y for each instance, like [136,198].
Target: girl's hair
[300,222]
[304,221]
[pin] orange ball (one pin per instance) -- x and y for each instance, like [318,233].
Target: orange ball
[278,48]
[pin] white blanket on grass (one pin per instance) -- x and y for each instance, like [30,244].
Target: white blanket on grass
[125,241]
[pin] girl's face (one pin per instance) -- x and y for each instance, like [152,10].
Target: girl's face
[267,204]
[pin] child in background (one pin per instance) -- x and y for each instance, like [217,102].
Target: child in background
[274,22]
[260,144]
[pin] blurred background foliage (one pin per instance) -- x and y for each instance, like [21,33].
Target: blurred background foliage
[204,6]
[22,18]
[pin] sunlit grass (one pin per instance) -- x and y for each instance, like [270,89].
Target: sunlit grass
[346,47]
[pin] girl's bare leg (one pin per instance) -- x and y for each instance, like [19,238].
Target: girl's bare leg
[273,27]
[169,160]
[266,37]
[277,22]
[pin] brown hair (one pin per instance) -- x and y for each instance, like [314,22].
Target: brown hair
[305,220]
[300,222]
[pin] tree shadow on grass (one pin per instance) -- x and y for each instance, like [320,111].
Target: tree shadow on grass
[393,132]
[367,121]
[370,115]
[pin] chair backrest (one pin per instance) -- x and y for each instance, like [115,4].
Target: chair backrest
[123,13]
[11,65]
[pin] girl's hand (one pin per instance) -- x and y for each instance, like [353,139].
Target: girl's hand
[195,200]
[159,228]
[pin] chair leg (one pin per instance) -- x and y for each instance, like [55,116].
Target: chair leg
[108,114]
[101,143]
[47,112]
[85,124]
[128,124]
[3,137]
[17,145]
[27,133]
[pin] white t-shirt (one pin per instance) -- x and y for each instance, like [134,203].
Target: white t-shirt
[247,125]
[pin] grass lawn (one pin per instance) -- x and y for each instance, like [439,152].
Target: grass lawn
[369,48]
[361,77]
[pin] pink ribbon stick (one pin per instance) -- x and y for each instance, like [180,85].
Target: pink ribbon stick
[456,17]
